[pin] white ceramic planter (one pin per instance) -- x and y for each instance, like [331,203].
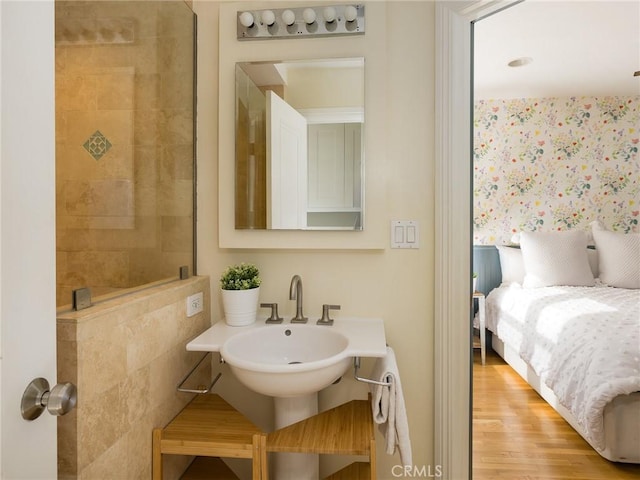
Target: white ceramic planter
[240,306]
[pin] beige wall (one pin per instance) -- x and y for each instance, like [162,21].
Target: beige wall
[396,285]
[126,357]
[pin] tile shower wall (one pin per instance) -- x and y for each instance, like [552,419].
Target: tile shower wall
[126,357]
[555,164]
[124,143]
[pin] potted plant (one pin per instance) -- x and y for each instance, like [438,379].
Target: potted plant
[240,287]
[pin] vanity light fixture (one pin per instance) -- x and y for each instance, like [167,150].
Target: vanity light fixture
[300,22]
[288,17]
[268,17]
[329,14]
[246,19]
[309,16]
[350,13]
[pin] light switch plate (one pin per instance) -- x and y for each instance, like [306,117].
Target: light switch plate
[405,234]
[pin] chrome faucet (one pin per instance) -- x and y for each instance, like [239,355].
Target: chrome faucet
[295,293]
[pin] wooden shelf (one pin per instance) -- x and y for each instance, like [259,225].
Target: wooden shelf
[209,426]
[343,430]
[355,471]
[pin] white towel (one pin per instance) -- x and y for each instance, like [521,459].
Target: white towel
[389,411]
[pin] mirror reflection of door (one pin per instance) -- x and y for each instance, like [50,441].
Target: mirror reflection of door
[286,165]
[334,175]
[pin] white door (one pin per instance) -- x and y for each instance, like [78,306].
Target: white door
[286,165]
[328,185]
[334,152]
[27,233]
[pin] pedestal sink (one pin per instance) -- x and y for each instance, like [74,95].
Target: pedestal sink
[287,360]
[293,362]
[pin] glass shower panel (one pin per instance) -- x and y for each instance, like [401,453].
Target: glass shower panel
[124,143]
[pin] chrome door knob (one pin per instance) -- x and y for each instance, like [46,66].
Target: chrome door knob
[59,400]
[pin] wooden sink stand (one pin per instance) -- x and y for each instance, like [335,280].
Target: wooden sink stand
[209,427]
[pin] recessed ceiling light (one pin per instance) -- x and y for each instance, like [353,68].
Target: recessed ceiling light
[520,62]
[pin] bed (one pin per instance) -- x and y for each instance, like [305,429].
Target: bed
[567,320]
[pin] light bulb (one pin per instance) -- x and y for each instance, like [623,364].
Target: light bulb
[268,17]
[350,13]
[246,19]
[309,15]
[288,17]
[329,14]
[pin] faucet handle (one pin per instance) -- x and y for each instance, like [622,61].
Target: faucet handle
[325,320]
[274,318]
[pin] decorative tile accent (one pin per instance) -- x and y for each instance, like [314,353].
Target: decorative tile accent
[97,145]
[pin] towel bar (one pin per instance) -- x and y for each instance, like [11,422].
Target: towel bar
[180,388]
[356,367]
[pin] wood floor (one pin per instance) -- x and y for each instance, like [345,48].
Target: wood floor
[518,436]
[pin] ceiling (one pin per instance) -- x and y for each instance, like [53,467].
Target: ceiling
[578,48]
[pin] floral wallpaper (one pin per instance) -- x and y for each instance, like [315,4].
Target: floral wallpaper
[555,164]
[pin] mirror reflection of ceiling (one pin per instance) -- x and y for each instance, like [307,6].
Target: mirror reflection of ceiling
[585,48]
[303,72]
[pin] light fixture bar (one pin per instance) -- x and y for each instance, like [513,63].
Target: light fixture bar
[300,22]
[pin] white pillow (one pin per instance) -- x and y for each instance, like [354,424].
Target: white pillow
[618,257]
[555,258]
[511,264]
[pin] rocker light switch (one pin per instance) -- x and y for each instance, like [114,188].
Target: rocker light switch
[405,234]
[398,233]
[411,234]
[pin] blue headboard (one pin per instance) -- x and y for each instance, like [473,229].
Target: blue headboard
[486,263]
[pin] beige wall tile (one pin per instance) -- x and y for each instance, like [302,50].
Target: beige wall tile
[134,395]
[146,165]
[175,91]
[176,199]
[147,91]
[115,91]
[100,424]
[76,91]
[177,126]
[102,362]
[147,128]
[106,268]
[175,54]
[67,444]
[99,198]
[151,336]
[177,234]
[176,163]
[118,405]
[144,56]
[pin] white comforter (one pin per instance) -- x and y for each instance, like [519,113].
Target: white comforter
[583,342]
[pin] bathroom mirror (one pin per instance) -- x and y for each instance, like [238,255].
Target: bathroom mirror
[299,132]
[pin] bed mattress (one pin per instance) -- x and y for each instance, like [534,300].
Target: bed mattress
[583,343]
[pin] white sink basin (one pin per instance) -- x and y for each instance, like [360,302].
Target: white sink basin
[287,360]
